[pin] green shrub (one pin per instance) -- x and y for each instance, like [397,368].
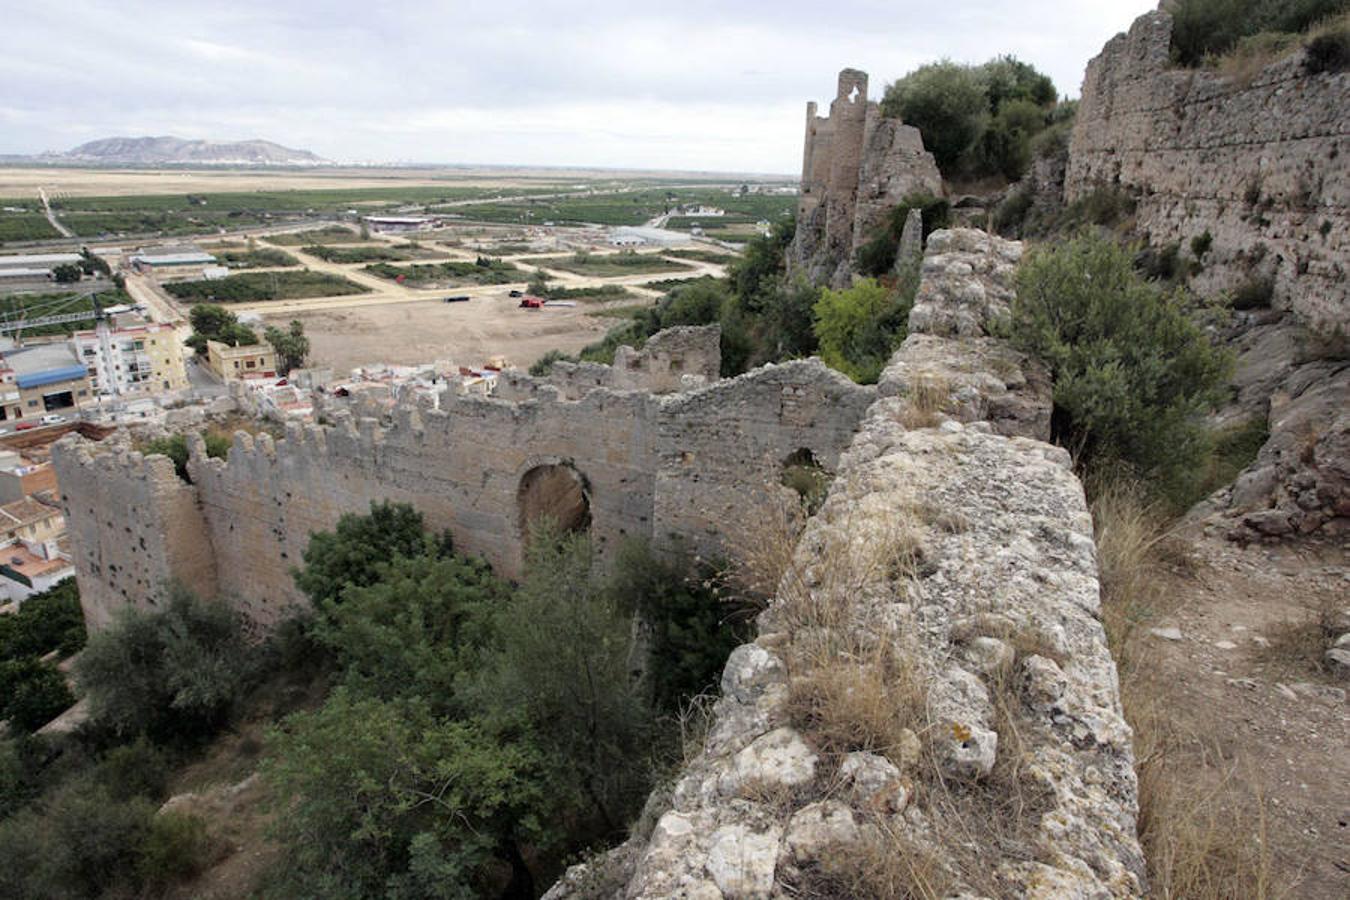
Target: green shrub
[1132,373]
[949,105]
[544,364]
[138,769]
[1204,29]
[32,693]
[50,620]
[690,629]
[1201,244]
[175,447]
[877,256]
[859,327]
[175,848]
[171,675]
[1329,51]
[95,841]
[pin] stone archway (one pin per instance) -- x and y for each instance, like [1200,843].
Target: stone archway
[556,491]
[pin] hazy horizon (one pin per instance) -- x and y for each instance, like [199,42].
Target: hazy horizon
[704,87]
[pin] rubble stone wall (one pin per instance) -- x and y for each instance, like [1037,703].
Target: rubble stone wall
[462,466]
[1259,163]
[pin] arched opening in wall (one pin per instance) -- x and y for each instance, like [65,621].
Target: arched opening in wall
[557,492]
[802,472]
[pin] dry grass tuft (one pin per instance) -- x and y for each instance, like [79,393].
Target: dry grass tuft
[1202,838]
[926,398]
[893,865]
[1298,647]
[847,700]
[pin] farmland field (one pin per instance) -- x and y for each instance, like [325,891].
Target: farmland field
[25,226]
[253,286]
[239,256]
[626,263]
[379,253]
[447,274]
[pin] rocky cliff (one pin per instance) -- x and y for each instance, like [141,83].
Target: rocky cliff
[930,705]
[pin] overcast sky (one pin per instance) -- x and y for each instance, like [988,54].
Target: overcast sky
[694,85]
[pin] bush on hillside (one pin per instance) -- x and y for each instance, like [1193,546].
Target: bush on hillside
[1132,373]
[175,447]
[171,674]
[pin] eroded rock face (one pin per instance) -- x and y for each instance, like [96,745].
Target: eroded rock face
[942,546]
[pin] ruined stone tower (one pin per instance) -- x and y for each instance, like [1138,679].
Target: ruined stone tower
[856,165]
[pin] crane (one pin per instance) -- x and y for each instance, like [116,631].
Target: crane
[22,320]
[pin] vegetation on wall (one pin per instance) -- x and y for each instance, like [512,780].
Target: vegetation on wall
[1205,30]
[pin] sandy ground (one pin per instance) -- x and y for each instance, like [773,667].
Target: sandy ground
[24,182]
[1282,727]
[429,330]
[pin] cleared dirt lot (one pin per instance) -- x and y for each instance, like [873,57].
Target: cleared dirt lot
[424,331]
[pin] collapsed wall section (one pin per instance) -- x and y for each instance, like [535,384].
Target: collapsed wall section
[949,585]
[1257,162]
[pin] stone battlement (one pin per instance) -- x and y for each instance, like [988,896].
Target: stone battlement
[662,468]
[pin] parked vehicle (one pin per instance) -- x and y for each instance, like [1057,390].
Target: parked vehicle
[517,294]
[531,303]
[24,426]
[53,419]
[460,298]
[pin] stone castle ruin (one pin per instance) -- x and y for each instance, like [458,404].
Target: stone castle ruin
[856,166]
[676,469]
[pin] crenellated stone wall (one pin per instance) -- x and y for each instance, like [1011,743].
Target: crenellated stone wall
[244,523]
[856,166]
[992,607]
[1259,163]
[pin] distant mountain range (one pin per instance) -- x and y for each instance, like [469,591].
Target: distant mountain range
[171,151]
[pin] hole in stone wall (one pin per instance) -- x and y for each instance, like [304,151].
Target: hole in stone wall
[804,474]
[555,491]
[853,95]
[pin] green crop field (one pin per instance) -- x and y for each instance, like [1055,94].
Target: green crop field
[248,287]
[380,253]
[610,265]
[708,256]
[26,227]
[602,294]
[240,257]
[447,274]
[331,234]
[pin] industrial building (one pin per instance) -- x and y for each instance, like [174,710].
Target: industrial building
[640,236]
[398,224]
[47,378]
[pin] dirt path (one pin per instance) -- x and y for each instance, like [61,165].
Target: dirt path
[1283,726]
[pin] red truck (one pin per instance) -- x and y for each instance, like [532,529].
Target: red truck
[530,302]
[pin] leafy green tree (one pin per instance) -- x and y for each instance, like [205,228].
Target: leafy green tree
[417,629]
[348,555]
[859,327]
[787,319]
[1008,79]
[172,674]
[32,693]
[1132,372]
[567,665]
[949,105]
[378,795]
[50,620]
[211,322]
[1208,28]
[66,273]
[755,274]
[291,345]
[689,629]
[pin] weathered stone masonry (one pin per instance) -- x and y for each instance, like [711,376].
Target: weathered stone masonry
[1262,165]
[856,166]
[663,468]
